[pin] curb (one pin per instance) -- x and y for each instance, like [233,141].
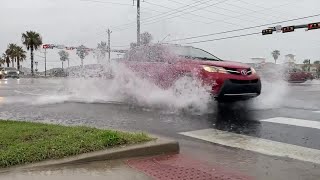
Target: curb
[156,147]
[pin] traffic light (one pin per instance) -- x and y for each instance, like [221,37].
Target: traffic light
[267,31]
[314,26]
[288,29]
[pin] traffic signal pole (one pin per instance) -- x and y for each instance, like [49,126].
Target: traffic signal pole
[287,29]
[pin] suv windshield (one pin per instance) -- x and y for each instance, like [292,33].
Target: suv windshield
[188,51]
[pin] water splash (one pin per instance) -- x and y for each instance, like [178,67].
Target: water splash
[93,85]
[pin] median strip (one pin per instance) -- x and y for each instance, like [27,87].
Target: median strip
[25,142]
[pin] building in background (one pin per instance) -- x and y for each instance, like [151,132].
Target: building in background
[257,62]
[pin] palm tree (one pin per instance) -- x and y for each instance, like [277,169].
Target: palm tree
[20,55]
[64,55]
[11,52]
[275,55]
[32,40]
[82,53]
[2,61]
[6,57]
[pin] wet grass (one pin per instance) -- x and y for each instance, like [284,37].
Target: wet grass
[25,142]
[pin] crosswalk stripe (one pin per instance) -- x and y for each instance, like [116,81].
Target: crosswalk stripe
[255,144]
[294,122]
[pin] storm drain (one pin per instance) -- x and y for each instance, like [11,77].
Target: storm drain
[178,167]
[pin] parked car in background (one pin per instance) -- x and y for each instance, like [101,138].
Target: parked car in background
[9,72]
[164,64]
[298,76]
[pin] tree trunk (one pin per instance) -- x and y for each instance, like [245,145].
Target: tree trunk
[31,55]
[62,65]
[18,64]
[12,61]
[8,63]
[81,62]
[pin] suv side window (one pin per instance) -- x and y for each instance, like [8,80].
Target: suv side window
[146,54]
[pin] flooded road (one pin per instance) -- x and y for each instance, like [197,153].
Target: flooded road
[238,136]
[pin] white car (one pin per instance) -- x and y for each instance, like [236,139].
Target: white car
[9,72]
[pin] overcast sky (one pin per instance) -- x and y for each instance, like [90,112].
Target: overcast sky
[76,22]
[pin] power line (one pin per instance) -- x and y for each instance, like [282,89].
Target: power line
[159,15]
[257,11]
[176,11]
[201,8]
[193,13]
[213,12]
[157,20]
[230,37]
[269,14]
[107,2]
[260,6]
[241,29]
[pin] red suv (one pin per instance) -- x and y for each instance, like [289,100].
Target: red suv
[165,63]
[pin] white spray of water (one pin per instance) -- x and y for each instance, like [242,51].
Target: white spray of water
[128,87]
[92,85]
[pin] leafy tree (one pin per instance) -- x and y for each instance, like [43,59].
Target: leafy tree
[291,56]
[82,52]
[317,63]
[146,38]
[64,56]
[102,50]
[306,65]
[275,55]
[32,40]
[306,61]
[133,45]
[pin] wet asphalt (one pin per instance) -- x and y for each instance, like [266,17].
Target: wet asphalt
[301,102]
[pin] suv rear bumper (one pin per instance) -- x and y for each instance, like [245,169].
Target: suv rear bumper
[235,90]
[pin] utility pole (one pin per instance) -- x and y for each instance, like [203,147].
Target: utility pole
[109,47]
[138,23]
[45,62]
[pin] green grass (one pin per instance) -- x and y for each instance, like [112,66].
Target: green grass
[25,142]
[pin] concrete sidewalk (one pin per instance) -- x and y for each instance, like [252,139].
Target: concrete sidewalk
[111,170]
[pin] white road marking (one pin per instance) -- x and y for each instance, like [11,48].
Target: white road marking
[294,122]
[316,111]
[255,144]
